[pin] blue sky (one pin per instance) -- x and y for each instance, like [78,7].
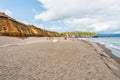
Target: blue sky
[66,15]
[25,10]
[21,9]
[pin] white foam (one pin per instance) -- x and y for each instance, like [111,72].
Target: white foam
[114,47]
[109,43]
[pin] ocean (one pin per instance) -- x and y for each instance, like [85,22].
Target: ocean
[112,43]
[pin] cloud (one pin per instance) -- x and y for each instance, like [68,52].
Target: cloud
[6,11]
[51,28]
[54,28]
[94,15]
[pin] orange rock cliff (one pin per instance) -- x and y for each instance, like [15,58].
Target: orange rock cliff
[12,27]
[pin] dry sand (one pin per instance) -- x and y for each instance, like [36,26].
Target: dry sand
[42,59]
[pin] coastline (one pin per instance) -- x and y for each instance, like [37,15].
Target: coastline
[111,61]
[40,59]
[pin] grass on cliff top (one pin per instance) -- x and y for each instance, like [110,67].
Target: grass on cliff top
[80,33]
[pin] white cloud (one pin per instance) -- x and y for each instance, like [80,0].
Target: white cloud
[94,15]
[117,32]
[54,28]
[6,11]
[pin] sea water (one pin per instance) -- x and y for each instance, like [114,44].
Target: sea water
[113,43]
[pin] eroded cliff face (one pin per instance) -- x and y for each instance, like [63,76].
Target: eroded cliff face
[11,27]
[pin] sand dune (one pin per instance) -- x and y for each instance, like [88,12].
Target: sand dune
[42,59]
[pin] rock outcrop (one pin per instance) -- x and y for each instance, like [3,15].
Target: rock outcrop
[12,27]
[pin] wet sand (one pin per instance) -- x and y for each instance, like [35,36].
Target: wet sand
[42,59]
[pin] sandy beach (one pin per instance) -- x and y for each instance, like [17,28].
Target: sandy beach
[37,58]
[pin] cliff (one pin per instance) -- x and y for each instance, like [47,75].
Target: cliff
[12,27]
[79,34]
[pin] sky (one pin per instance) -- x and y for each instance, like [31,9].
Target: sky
[102,16]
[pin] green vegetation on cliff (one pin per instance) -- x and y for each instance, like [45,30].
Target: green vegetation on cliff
[79,34]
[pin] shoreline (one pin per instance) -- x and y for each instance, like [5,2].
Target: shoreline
[111,61]
[106,50]
[109,52]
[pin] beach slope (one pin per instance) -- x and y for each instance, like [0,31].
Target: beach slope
[42,59]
